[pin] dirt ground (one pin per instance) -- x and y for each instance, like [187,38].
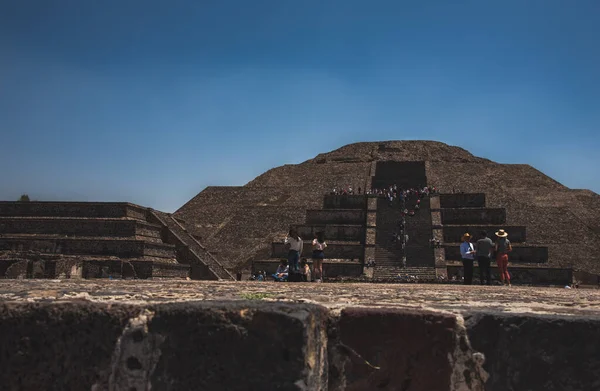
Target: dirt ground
[453,298]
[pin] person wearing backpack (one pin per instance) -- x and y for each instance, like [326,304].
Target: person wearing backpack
[503,247]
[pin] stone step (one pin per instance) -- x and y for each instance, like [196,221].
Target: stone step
[78,226]
[462,200]
[72,209]
[420,272]
[520,254]
[331,267]
[339,250]
[463,216]
[454,233]
[343,232]
[335,216]
[345,201]
[121,247]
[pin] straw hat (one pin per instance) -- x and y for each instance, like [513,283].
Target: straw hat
[466,236]
[501,234]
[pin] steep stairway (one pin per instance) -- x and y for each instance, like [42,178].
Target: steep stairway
[388,252]
[186,241]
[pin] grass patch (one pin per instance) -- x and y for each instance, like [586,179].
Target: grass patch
[255,296]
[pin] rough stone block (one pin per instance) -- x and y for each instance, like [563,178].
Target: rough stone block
[240,346]
[188,346]
[371,219]
[453,234]
[337,251]
[474,216]
[58,347]
[335,216]
[353,233]
[535,352]
[372,203]
[397,349]
[462,200]
[518,255]
[345,201]
[371,235]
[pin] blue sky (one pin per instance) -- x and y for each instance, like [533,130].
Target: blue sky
[149,102]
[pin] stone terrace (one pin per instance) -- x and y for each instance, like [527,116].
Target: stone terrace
[98,239]
[212,335]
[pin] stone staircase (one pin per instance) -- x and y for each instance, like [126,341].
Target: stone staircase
[388,252]
[417,252]
[465,212]
[407,273]
[204,264]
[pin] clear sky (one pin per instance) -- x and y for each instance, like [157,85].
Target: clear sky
[151,101]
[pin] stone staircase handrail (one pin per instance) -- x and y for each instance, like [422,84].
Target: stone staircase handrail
[212,257]
[183,242]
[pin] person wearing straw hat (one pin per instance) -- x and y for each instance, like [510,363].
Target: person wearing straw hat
[503,247]
[467,253]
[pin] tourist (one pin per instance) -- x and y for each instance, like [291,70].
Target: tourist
[295,250]
[319,246]
[467,253]
[281,274]
[304,270]
[484,247]
[503,247]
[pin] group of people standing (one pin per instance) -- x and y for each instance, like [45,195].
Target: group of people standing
[482,251]
[292,269]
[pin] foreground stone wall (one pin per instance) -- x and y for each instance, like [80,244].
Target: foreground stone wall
[156,334]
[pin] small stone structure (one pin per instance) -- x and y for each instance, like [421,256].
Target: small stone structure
[97,240]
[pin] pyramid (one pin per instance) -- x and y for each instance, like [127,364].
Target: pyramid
[551,225]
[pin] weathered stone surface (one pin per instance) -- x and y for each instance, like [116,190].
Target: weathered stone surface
[58,347]
[240,346]
[402,350]
[474,216]
[232,346]
[526,352]
[462,200]
[92,334]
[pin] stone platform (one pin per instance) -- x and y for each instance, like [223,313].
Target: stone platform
[183,335]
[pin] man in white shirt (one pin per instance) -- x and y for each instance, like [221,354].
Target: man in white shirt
[296,246]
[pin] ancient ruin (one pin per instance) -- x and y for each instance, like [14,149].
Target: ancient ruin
[97,295]
[224,231]
[554,228]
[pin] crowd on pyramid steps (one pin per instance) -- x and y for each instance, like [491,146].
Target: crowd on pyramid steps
[483,250]
[390,193]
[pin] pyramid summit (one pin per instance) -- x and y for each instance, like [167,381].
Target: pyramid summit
[550,225]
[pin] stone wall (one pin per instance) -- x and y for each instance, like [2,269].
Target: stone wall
[354,233]
[453,234]
[518,255]
[462,200]
[116,247]
[330,269]
[335,216]
[333,250]
[474,216]
[72,209]
[78,227]
[523,275]
[345,201]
